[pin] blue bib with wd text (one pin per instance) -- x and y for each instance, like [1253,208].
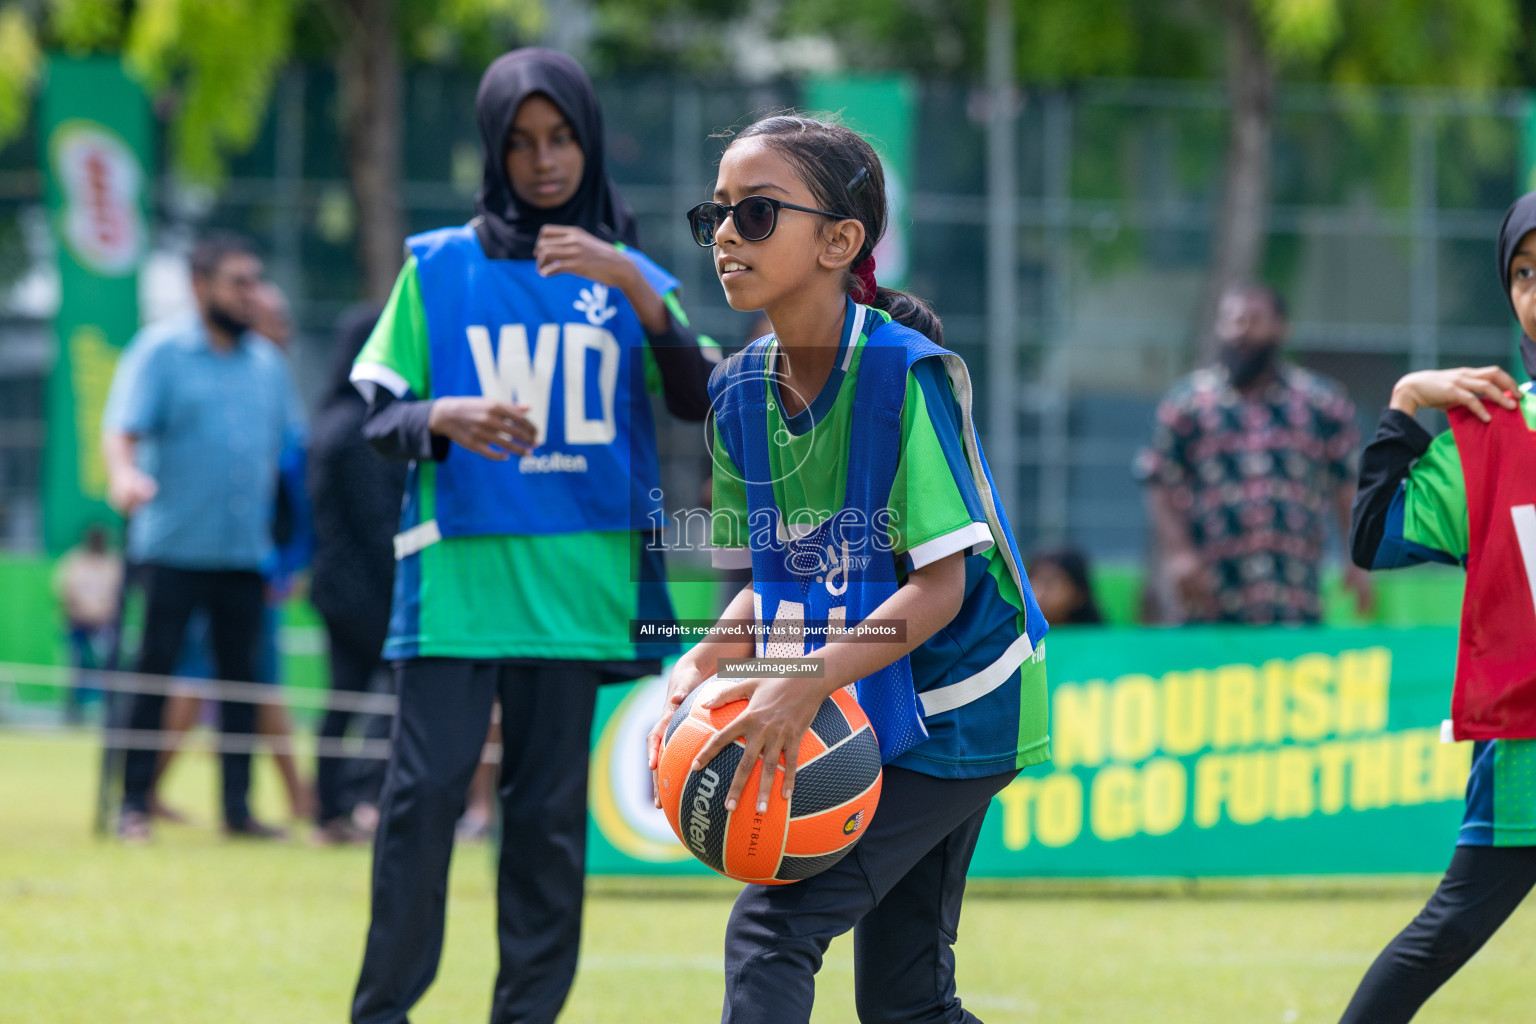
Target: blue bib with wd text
[840,571]
[570,349]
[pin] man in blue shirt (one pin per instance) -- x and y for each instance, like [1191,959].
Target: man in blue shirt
[198,414]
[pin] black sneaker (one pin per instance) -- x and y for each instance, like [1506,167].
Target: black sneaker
[340,832]
[253,829]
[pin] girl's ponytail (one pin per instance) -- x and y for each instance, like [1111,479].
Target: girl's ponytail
[844,173]
[910,311]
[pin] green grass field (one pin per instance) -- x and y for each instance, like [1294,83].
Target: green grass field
[196,930]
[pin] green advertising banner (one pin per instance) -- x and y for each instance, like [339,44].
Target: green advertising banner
[882,108]
[95,133]
[1177,753]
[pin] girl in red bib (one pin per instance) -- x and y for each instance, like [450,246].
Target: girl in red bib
[1467,497]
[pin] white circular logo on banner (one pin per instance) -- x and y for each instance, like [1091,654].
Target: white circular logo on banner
[100,179]
[621,787]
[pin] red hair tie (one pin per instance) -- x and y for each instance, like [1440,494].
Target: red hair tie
[864,277]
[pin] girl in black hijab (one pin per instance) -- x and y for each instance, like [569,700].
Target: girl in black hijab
[509,225]
[1518,222]
[522,554]
[1414,506]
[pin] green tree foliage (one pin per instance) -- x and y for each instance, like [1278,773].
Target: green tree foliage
[1387,42]
[1468,43]
[223,56]
[212,65]
[1256,47]
[665,35]
[215,62]
[20,63]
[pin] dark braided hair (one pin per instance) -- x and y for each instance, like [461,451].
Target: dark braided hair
[829,158]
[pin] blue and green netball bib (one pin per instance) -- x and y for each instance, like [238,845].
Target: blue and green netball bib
[809,576]
[569,349]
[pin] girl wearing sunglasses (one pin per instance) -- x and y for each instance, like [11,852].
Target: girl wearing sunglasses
[846,440]
[511,366]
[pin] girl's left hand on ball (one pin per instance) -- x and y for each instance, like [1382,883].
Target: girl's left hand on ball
[778,713]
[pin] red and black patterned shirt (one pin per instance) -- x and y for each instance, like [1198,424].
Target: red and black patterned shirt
[1257,476]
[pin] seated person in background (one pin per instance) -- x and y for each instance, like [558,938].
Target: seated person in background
[1062,585]
[87,583]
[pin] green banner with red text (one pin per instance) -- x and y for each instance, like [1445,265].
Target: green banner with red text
[96,135]
[1177,753]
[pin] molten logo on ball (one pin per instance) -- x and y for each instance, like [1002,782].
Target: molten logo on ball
[698,824]
[837,785]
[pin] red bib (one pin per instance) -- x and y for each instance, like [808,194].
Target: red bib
[1495,695]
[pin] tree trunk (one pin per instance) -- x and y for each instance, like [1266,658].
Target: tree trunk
[1242,222]
[368,70]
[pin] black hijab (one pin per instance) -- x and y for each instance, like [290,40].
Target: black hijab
[1520,220]
[508,226]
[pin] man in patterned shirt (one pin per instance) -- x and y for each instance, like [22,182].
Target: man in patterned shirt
[1248,460]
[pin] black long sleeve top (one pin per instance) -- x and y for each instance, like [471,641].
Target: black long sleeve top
[1384,465]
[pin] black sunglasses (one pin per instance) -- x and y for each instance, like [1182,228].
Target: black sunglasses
[756,217]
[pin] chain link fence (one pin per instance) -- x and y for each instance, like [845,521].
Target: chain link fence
[1385,205]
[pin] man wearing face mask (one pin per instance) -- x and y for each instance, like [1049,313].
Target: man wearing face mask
[1249,459]
[199,410]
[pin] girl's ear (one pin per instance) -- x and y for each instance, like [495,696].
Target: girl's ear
[841,243]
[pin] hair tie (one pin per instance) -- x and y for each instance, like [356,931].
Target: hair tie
[864,280]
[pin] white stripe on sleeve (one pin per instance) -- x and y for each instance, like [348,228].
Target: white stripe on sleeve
[730,558]
[974,538]
[366,375]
